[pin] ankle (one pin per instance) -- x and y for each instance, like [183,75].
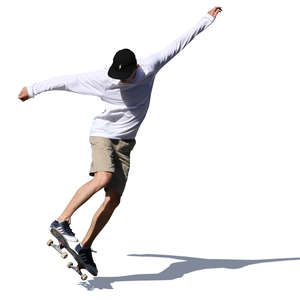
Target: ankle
[62,219]
[83,245]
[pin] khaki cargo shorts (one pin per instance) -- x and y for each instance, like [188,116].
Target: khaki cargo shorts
[111,155]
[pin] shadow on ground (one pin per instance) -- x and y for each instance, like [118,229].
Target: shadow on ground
[176,269]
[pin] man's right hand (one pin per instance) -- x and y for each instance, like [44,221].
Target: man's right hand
[23,95]
[214,12]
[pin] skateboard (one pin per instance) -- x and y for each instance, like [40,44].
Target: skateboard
[63,244]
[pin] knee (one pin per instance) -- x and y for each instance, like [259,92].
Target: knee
[101,179]
[112,198]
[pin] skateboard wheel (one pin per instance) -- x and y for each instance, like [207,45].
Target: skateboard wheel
[64,255]
[83,276]
[70,264]
[50,242]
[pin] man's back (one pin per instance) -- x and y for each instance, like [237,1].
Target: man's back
[126,105]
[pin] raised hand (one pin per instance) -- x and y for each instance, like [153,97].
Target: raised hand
[214,12]
[23,95]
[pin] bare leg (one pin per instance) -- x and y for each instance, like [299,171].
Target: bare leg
[84,193]
[101,217]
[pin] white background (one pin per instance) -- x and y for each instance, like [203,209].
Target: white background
[215,171]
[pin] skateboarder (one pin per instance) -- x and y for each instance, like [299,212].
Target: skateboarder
[125,87]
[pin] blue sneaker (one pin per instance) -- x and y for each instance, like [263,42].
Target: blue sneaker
[64,229]
[86,256]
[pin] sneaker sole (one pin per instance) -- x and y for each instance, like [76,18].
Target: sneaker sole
[65,243]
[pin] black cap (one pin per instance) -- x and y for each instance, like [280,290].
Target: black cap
[124,63]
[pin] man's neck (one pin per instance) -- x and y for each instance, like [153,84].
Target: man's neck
[129,79]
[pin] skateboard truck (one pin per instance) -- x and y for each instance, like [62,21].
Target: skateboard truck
[77,269]
[58,248]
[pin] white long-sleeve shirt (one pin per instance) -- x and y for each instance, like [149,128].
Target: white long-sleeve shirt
[126,104]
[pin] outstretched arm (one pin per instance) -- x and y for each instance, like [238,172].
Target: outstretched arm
[83,83]
[159,59]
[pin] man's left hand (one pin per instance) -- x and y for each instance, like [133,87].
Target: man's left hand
[214,12]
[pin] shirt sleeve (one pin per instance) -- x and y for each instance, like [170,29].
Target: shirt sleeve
[84,83]
[157,60]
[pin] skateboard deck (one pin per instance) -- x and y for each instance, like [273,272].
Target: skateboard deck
[63,243]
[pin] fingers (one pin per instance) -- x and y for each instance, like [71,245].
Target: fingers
[22,97]
[218,9]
